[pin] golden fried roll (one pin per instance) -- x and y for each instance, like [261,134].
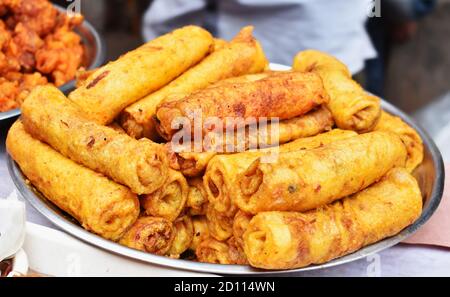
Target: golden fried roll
[150,234]
[197,199]
[303,180]
[236,252]
[409,136]
[240,56]
[184,233]
[282,95]
[285,240]
[219,252]
[111,88]
[169,200]
[194,163]
[99,204]
[352,107]
[201,231]
[221,177]
[49,116]
[220,226]
[240,225]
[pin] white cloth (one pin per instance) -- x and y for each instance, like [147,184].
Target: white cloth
[12,225]
[284,27]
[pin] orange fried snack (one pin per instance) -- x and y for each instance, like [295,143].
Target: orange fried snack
[170,199]
[197,199]
[184,233]
[351,106]
[409,136]
[150,234]
[286,240]
[140,72]
[240,56]
[49,116]
[201,231]
[99,204]
[283,95]
[304,180]
[218,252]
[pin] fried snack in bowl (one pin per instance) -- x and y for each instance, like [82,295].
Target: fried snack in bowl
[49,116]
[97,203]
[220,225]
[150,234]
[144,70]
[169,200]
[240,225]
[219,252]
[281,95]
[201,231]
[236,252]
[409,136]
[221,178]
[194,163]
[184,233]
[303,180]
[286,240]
[197,199]
[242,55]
[352,107]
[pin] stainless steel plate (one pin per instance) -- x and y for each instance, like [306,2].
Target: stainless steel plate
[94,56]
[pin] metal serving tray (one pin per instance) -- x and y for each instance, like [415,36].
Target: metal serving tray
[430,176]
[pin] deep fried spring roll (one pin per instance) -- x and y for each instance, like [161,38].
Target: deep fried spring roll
[240,56]
[201,231]
[221,177]
[150,234]
[169,200]
[99,204]
[409,136]
[303,180]
[197,199]
[240,225]
[236,252]
[219,252]
[184,233]
[111,88]
[351,106]
[285,240]
[220,226]
[49,116]
[283,95]
[312,123]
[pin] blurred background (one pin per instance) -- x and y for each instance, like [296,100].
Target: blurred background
[411,67]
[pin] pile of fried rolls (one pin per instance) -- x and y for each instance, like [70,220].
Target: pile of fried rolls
[297,167]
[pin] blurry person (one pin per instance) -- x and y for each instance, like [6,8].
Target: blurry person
[284,27]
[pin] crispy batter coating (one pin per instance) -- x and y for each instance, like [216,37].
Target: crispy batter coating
[49,116]
[409,136]
[150,234]
[140,72]
[240,225]
[184,233]
[197,198]
[286,240]
[170,199]
[351,106]
[99,204]
[221,178]
[220,226]
[240,56]
[303,180]
[219,252]
[201,231]
[283,95]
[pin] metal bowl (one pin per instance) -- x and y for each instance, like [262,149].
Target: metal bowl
[94,56]
[430,176]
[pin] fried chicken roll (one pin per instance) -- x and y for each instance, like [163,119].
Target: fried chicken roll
[352,107]
[169,200]
[184,233]
[99,204]
[312,123]
[409,136]
[201,231]
[303,180]
[197,199]
[49,116]
[144,70]
[286,240]
[242,55]
[221,177]
[150,234]
[281,95]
